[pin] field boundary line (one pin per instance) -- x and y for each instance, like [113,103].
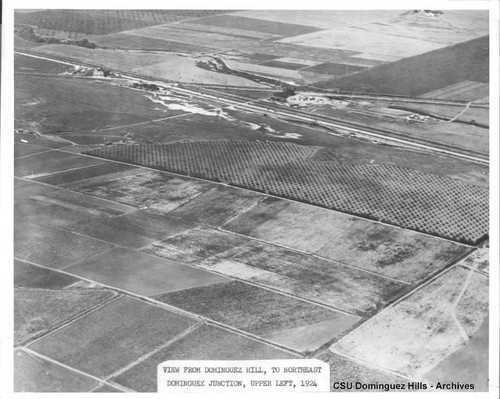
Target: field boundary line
[258,285]
[170,308]
[114,297]
[431,279]
[49,359]
[275,196]
[312,254]
[36,153]
[461,112]
[34,177]
[140,359]
[367,364]
[76,192]
[455,303]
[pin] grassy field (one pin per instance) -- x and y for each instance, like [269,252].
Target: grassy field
[380,192]
[55,104]
[411,337]
[24,64]
[464,90]
[423,73]
[468,139]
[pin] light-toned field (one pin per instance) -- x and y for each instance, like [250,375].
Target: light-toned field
[431,29]
[413,336]
[325,19]
[385,250]
[365,41]
[464,90]
[109,58]
[184,70]
[162,66]
[479,115]
[458,135]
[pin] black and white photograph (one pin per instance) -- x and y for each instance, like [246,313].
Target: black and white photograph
[249,185]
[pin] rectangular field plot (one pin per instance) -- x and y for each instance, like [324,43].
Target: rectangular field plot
[27,234]
[280,50]
[22,150]
[95,343]
[217,205]
[306,276]
[136,42]
[324,19]
[245,33]
[261,312]
[295,273]
[416,334]
[363,41]
[389,251]
[136,229]
[64,251]
[284,65]
[66,209]
[465,90]
[38,311]
[300,77]
[258,25]
[141,273]
[195,245]
[333,68]
[343,369]
[424,73]
[155,191]
[204,343]
[399,196]
[27,275]
[50,162]
[192,37]
[45,376]
[26,64]
[106,170]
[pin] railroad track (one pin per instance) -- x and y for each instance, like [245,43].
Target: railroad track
[276,110]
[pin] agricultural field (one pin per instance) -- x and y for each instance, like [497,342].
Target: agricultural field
[464,90]
[414,76]
[250,184]
[461,127]
[283,170]
[102,22]
[439,315]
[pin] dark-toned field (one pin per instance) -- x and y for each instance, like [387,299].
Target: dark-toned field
[101,22]
[422,73]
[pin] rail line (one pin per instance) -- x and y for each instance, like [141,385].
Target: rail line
[281,111]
